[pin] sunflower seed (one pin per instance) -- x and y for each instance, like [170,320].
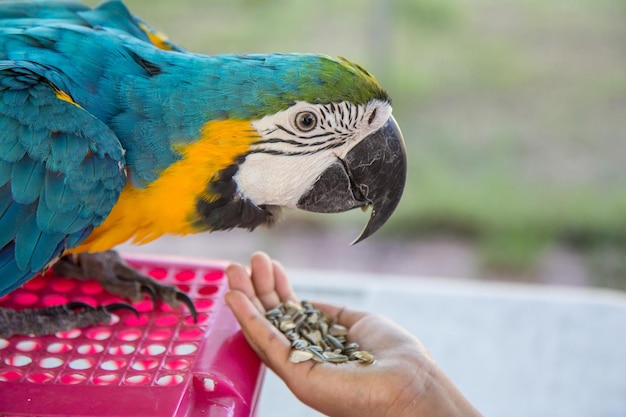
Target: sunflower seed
[362,356]
[335,357]
[338,330]
[298,356]
[313,337]
[286,326]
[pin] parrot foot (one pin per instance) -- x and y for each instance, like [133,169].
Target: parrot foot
[55,319]
[117,277]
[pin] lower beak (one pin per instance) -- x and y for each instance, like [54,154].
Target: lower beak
[373,174]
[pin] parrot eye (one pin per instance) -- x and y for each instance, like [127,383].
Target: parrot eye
[306,121]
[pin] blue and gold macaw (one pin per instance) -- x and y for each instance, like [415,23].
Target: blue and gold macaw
[111,133]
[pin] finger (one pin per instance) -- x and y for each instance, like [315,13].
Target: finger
[344,316]
[283,286]
[272,346]
[263,280]
[239,280]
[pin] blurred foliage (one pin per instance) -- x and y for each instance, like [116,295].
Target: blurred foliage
[514,111]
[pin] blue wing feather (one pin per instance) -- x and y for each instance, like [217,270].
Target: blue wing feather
[5,175]
[12,216]
[60,168]
[26,180]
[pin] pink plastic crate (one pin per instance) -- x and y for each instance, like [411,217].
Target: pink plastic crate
[160,364]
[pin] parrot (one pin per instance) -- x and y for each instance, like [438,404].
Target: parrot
[111,133]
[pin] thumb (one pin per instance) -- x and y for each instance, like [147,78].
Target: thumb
[272,346]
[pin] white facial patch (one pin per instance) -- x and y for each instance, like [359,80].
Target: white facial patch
[298,144]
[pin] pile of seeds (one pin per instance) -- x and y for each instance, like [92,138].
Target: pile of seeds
[313,337]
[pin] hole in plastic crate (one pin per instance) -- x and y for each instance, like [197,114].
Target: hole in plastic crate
[73,379]
[203,304]
[121,350]
[129,335]
[213,275]
[185,349]
[54,300]
[184,288]
[144,364]
[158,273]
[24,298]
[202,319]
[89,348]
[18,360]
[113,364]
[207,289]
[169,380]
[82,364]
[7,375]
[3,343]
[165,308]
[153,350]
[185,275]
[137,380]
[177,365]
[59,347]
[133,320]
[190,334]
[144,306]
[91,288]
[106,379]
[115,319]
[70,334]
[35,284]
[40,377]
[160,335]
[50,362]
[62,285]
[168,320]
[86,299]
[28,345]
[99,333]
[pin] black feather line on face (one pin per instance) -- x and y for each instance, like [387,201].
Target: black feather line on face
[231,209]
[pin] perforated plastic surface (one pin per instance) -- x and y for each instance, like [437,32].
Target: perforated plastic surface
[160,364]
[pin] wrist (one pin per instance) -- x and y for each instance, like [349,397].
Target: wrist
[436,396]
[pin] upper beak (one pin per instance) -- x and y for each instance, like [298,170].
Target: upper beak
[372,173]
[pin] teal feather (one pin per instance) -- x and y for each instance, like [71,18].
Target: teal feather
[5,175]
[13,215]
[26,180]
[63,169]
[33,246]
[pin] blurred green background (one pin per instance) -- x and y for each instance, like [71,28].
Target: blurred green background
[514,111]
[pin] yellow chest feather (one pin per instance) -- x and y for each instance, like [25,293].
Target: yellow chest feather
[168,204]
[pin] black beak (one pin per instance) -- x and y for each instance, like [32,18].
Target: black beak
[372,173]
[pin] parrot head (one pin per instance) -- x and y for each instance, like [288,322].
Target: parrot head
[326,142]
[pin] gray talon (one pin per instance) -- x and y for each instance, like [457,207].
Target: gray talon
[77,305]
[151,292]
[184,298]
[111,308]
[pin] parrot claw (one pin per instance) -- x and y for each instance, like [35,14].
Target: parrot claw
[111,308]
[184,298]
[147,289]
[119,278]
[77,305]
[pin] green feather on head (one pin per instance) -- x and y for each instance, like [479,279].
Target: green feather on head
[338,79]
[285,79]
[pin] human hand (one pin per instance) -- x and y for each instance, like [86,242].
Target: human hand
[403,380]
